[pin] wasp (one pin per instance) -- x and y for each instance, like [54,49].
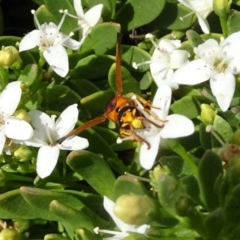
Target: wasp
[121,109]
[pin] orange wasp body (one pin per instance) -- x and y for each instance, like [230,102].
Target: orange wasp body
[121,110]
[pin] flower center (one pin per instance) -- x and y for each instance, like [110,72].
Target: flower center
[49,33]
[50,133]
[220,64]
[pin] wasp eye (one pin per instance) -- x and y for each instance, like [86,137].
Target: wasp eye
[117,109]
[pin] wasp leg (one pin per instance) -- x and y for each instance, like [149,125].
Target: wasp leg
[146,103]
[152,122]
[133,136]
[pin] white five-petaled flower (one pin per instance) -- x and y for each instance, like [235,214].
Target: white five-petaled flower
[87,20]
[11,126]
[47,132]
[51,42]
[125,228]
[173,126]
[202,8]
[165,59]
[217,62]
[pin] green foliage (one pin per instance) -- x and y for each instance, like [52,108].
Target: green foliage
[193,189]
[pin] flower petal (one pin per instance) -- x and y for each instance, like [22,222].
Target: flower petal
[178,58]
[194,72]
[223,88]
[93,15]
[66,121]
[177,126]
[31,40]
[208,50]
[10,98]
[40,120]
[18,129]
[74,143]
[78,8]
[2,138]
[203,23]
[147,156]
[38,140]
[168,45]
[161,101]
[57,58]
[72,44]
[47,160]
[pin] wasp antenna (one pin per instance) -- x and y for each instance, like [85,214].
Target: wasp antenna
[85,126]
[118,65]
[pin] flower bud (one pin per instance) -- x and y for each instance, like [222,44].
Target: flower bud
[184,206]
[134,236]
[21,224]
[23,153]
[22,114]
[221,7]
[134,209]
[154,176]
[236,137]
[233,171]
[207,114]
[10,234]
[228,152]
[9,56]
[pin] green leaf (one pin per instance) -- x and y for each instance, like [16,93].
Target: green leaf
[54,6]
[232,206]
[233,21]
[192,188]
[222,127]
[132,54]
[108,7]
[174,163]
[1,21]
[127,185]
[205,137]
[96,102]
[210,167]
[87,235]
[215,222]
[92,67]
[41,198]
[76,219]
[170,17]
[58,97]
[83,87]
[29,74]
[194,38]
[136,13]
[44,15]
[130,85]
[187,106]
[93,169]
[4,78]
[96,41]
[55,237]
[13,205]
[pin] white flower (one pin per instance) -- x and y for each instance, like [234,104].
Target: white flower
[124,227]
[165,59]
[47,132]
[11,126]
[51,42]
[217,62]
[173,126]
[202,8]
[87,20]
